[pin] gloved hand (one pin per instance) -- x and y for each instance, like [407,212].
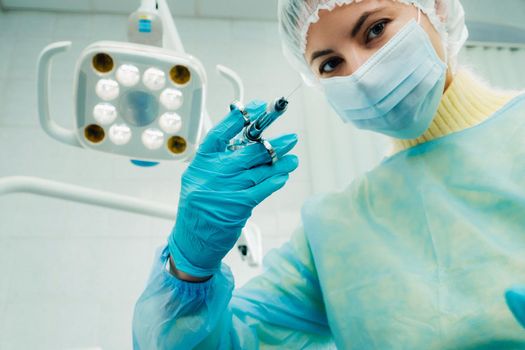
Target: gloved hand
[219,190]
[516,301]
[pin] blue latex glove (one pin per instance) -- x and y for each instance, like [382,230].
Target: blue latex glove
[516,301]
[219,190]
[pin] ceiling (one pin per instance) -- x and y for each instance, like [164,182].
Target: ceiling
[246,9]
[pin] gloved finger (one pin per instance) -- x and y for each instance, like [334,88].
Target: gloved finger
[219,136]
[255,109]
[256,154]
[266,188]
[255,176]
[515,298]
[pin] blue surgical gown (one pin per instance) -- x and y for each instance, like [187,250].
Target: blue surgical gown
[415,254]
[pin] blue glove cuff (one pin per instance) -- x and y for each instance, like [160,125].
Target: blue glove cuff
[182,264]
[515,298]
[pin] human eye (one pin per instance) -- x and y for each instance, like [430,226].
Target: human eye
[330,65]
[376,30]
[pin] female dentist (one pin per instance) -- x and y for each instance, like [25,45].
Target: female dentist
[415,254]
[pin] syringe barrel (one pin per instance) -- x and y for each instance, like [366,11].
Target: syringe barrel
[277,109]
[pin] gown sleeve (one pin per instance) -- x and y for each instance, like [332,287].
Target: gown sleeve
[281,307]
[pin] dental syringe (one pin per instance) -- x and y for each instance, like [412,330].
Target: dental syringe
[253,131]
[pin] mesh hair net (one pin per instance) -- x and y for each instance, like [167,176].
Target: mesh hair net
[296,16]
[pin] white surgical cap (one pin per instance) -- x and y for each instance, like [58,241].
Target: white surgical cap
[296,16]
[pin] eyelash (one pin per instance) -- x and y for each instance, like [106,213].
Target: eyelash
[330,60]
[382,22]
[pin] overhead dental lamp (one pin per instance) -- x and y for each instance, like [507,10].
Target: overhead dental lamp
[140,102]
[143,99]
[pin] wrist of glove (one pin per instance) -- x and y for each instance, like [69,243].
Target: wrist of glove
[219,190]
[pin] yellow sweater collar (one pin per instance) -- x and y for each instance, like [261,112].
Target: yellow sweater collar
[467,102]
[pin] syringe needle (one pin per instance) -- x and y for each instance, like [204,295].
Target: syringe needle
[294,90]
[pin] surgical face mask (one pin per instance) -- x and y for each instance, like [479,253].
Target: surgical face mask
[397,91]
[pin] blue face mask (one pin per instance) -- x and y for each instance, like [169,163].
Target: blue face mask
[397,91]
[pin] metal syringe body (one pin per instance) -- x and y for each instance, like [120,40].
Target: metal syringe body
[254,131]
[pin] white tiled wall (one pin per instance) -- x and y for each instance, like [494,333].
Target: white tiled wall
[69,273]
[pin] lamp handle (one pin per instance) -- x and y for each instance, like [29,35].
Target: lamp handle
[234,78]
[54,130]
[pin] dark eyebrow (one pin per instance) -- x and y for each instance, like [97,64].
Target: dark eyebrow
[318,54]
[361,21]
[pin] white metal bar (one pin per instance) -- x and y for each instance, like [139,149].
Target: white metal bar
[172,38]
[47,188]
[148,5]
